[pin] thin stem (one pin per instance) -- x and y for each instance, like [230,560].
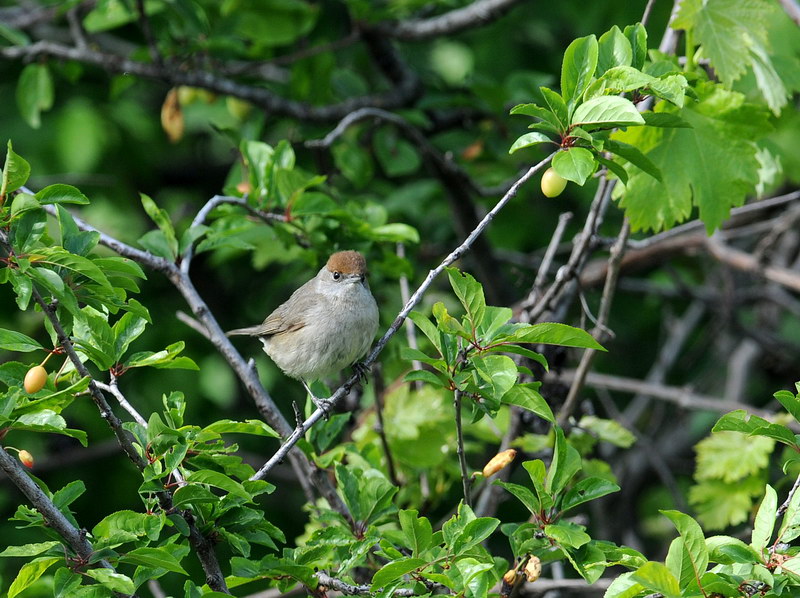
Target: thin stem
[380,428]
[462,458]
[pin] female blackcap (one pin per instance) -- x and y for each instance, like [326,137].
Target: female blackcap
[326,325]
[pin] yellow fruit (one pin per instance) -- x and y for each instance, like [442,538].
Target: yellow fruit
[552,183]
[35,379]
[187,95]
[26,458]
[239,109]
[498,462]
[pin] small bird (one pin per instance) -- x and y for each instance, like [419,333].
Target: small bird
[326,325]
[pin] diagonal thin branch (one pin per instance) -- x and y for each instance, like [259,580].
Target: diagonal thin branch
[472,15]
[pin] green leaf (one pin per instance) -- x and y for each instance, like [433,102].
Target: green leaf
[624,586]
[427,328]
[724,456]
[575,164]
[77,264]
[790,402]
[395,232]
[15,172]
[11,340]
[34,93]
[218,480]
[157,558]
[255,427]
[607,430]
[656,577]
[524,494]
[418,531]
[396,156]
[60,193]
[764,524]
[565,464]
[586,490]
[30,572]
[578,68]
[690,558]
[425,376]
[527,397]
[475,532]
[665,120]
[45,421]
[554,333]
[712,165]
[29,549]
[167,359]
[23,202]
[116,582]
[557,106]
[193,495]
[727,550]
[498,373]
[637,36]
[634,156]
[528,140]
[567,534]
[470,292]
[162,221]
[606,112]
[614,49]
[395,570]
[726,30]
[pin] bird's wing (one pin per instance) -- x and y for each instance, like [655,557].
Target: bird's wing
[288,316]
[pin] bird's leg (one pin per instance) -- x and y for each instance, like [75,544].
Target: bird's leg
[361,371]
[324,404]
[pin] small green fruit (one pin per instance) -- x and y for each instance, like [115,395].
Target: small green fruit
[552,183]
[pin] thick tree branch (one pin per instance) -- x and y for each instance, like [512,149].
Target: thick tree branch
[402,94]
[53,517]
[476,14]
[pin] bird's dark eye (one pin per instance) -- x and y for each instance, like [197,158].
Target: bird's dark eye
[337,275]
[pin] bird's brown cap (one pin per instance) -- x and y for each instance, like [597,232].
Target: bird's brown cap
[347,262]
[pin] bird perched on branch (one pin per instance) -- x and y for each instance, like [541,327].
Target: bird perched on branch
[326,325]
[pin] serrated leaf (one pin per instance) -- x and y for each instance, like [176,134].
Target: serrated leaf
[116,582]
[418,531]
[637,36]
[218,480]
[29,549]
[711,166]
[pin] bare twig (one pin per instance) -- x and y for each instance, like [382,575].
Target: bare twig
[475,14]
[396,97]
[614,261]
[683,397]
[113,388]
[785,505]
[747,263]
[792,9]
[401,317]
[549,254]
